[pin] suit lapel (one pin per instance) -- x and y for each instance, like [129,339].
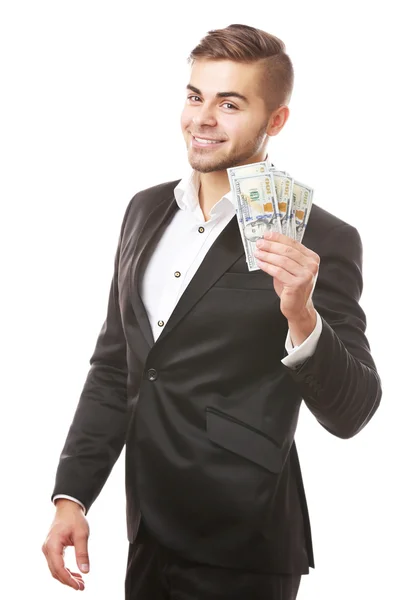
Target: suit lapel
[150,234]
[226,250]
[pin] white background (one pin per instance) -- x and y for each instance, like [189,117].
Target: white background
[91,94]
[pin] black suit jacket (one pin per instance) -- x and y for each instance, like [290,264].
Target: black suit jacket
[208,412]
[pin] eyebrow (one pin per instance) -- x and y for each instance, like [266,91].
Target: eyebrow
[219,94]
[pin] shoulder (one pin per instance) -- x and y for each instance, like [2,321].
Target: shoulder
[324,229]
[325,221]
[156,193]
[145,200]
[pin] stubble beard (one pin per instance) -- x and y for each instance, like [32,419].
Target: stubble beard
[201,162]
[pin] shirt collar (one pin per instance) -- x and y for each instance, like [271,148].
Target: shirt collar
[187,193]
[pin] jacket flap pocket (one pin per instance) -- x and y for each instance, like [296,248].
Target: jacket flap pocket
[253,280]
[241,439]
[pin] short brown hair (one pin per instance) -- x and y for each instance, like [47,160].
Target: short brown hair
[245,44]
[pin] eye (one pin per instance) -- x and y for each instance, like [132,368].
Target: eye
[234,107]
[229,105]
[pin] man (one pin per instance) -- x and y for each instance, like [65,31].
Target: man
[189,370]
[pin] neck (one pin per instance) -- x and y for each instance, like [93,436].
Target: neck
[215,184]
[212,187]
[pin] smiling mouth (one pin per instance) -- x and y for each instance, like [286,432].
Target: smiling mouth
[197,142]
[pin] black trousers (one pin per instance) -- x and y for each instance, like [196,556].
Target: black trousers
[155,573]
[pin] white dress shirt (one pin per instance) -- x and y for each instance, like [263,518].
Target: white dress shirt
[179,253]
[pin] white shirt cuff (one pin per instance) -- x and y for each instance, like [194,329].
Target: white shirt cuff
[299,354]
[70,498]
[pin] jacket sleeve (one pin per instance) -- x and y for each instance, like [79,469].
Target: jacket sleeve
[97,433]
[339,382]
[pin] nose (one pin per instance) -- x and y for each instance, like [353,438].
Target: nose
[204,116]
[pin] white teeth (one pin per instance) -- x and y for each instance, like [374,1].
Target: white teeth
[205,141]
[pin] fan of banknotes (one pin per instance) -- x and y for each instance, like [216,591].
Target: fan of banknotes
[268,199]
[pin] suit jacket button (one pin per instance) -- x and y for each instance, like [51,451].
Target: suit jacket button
[152,374]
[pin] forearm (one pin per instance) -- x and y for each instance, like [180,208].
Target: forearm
[98,431]
[340,390]
[96,436]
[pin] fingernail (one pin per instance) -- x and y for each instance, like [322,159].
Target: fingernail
[268,234]
[258,243]
[85,568]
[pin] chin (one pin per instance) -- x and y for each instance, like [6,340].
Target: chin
[206,167]
[205,164]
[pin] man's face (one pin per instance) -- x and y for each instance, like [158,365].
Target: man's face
[237,124]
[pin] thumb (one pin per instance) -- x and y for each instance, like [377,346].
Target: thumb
[81,552]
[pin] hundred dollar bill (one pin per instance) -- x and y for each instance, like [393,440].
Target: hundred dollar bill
[291,204]
[249,170]
[284,194]
[257,210]
[302,204]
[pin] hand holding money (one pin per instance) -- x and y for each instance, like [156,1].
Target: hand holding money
[294,269]
[268,200]
[272,210]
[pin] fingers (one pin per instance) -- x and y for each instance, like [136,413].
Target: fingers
[274,241]
[280,263]
[81,551]
[286,257]
[78,578]
[280,273]
[53,550]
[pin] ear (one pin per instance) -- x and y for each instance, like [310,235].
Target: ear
[277,120]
